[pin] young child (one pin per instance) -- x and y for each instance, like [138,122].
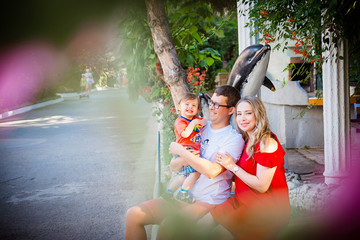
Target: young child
[187,132]
[89,81]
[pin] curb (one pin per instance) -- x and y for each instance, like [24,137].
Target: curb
[76,95]
[29,108]
[68,96]
[63,96]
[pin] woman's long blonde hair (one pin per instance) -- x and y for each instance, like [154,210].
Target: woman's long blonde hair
[261,130]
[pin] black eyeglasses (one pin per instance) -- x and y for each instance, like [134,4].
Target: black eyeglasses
[216,105]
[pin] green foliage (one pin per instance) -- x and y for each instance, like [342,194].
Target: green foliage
[103,66]
[136,50]
[199,37]
[103,79]
[191,26]
[297,20]
[202,38]
[302,73]
[304,22]
[70,82]
[167,113]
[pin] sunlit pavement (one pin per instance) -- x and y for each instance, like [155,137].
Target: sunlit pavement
[71,170]
[309,163]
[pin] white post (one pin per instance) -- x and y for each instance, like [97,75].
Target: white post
[336,114]
[244,38]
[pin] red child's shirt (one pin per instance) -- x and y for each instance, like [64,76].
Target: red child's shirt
[193,140]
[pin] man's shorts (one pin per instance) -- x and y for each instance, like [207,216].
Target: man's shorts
[159,209]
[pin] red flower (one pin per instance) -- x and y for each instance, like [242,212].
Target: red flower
[139,91]
[173,110]
[157,64]
[197,83]
[299,42]
[165,102]
[147,89]
[304,53]
[296,51]
[264,13]
[269,39]
[197,74]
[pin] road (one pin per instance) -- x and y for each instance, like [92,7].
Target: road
[71,170]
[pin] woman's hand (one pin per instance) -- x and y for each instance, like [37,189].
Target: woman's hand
[176,148]
[226,160]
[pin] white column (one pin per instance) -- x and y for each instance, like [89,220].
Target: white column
[336,114]
[244,38]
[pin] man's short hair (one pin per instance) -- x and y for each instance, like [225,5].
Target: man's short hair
[232,94]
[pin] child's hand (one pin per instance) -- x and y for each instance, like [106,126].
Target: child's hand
[203,122]
[196,121]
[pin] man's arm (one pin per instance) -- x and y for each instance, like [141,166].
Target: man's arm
[232,145]
[201,165]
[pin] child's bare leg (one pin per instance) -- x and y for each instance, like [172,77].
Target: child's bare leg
[190,180]
[173,186]
[176,182]
[183,194]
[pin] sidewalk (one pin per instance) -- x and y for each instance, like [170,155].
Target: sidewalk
[306,182]
[29,108]
[63,97]
[309,163]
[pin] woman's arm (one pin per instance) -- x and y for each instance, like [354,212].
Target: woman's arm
[203,166]
[264,175]
[261,181]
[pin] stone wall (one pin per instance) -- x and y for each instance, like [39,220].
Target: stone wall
[284,108]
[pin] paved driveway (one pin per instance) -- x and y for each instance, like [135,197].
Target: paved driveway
[70,170]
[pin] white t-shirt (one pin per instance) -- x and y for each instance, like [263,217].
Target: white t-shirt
[224,140]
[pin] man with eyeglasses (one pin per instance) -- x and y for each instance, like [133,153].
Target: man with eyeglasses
[214,185]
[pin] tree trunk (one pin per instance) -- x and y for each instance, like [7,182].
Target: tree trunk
[174,74]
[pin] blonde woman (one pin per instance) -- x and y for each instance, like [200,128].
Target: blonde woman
[260,208]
